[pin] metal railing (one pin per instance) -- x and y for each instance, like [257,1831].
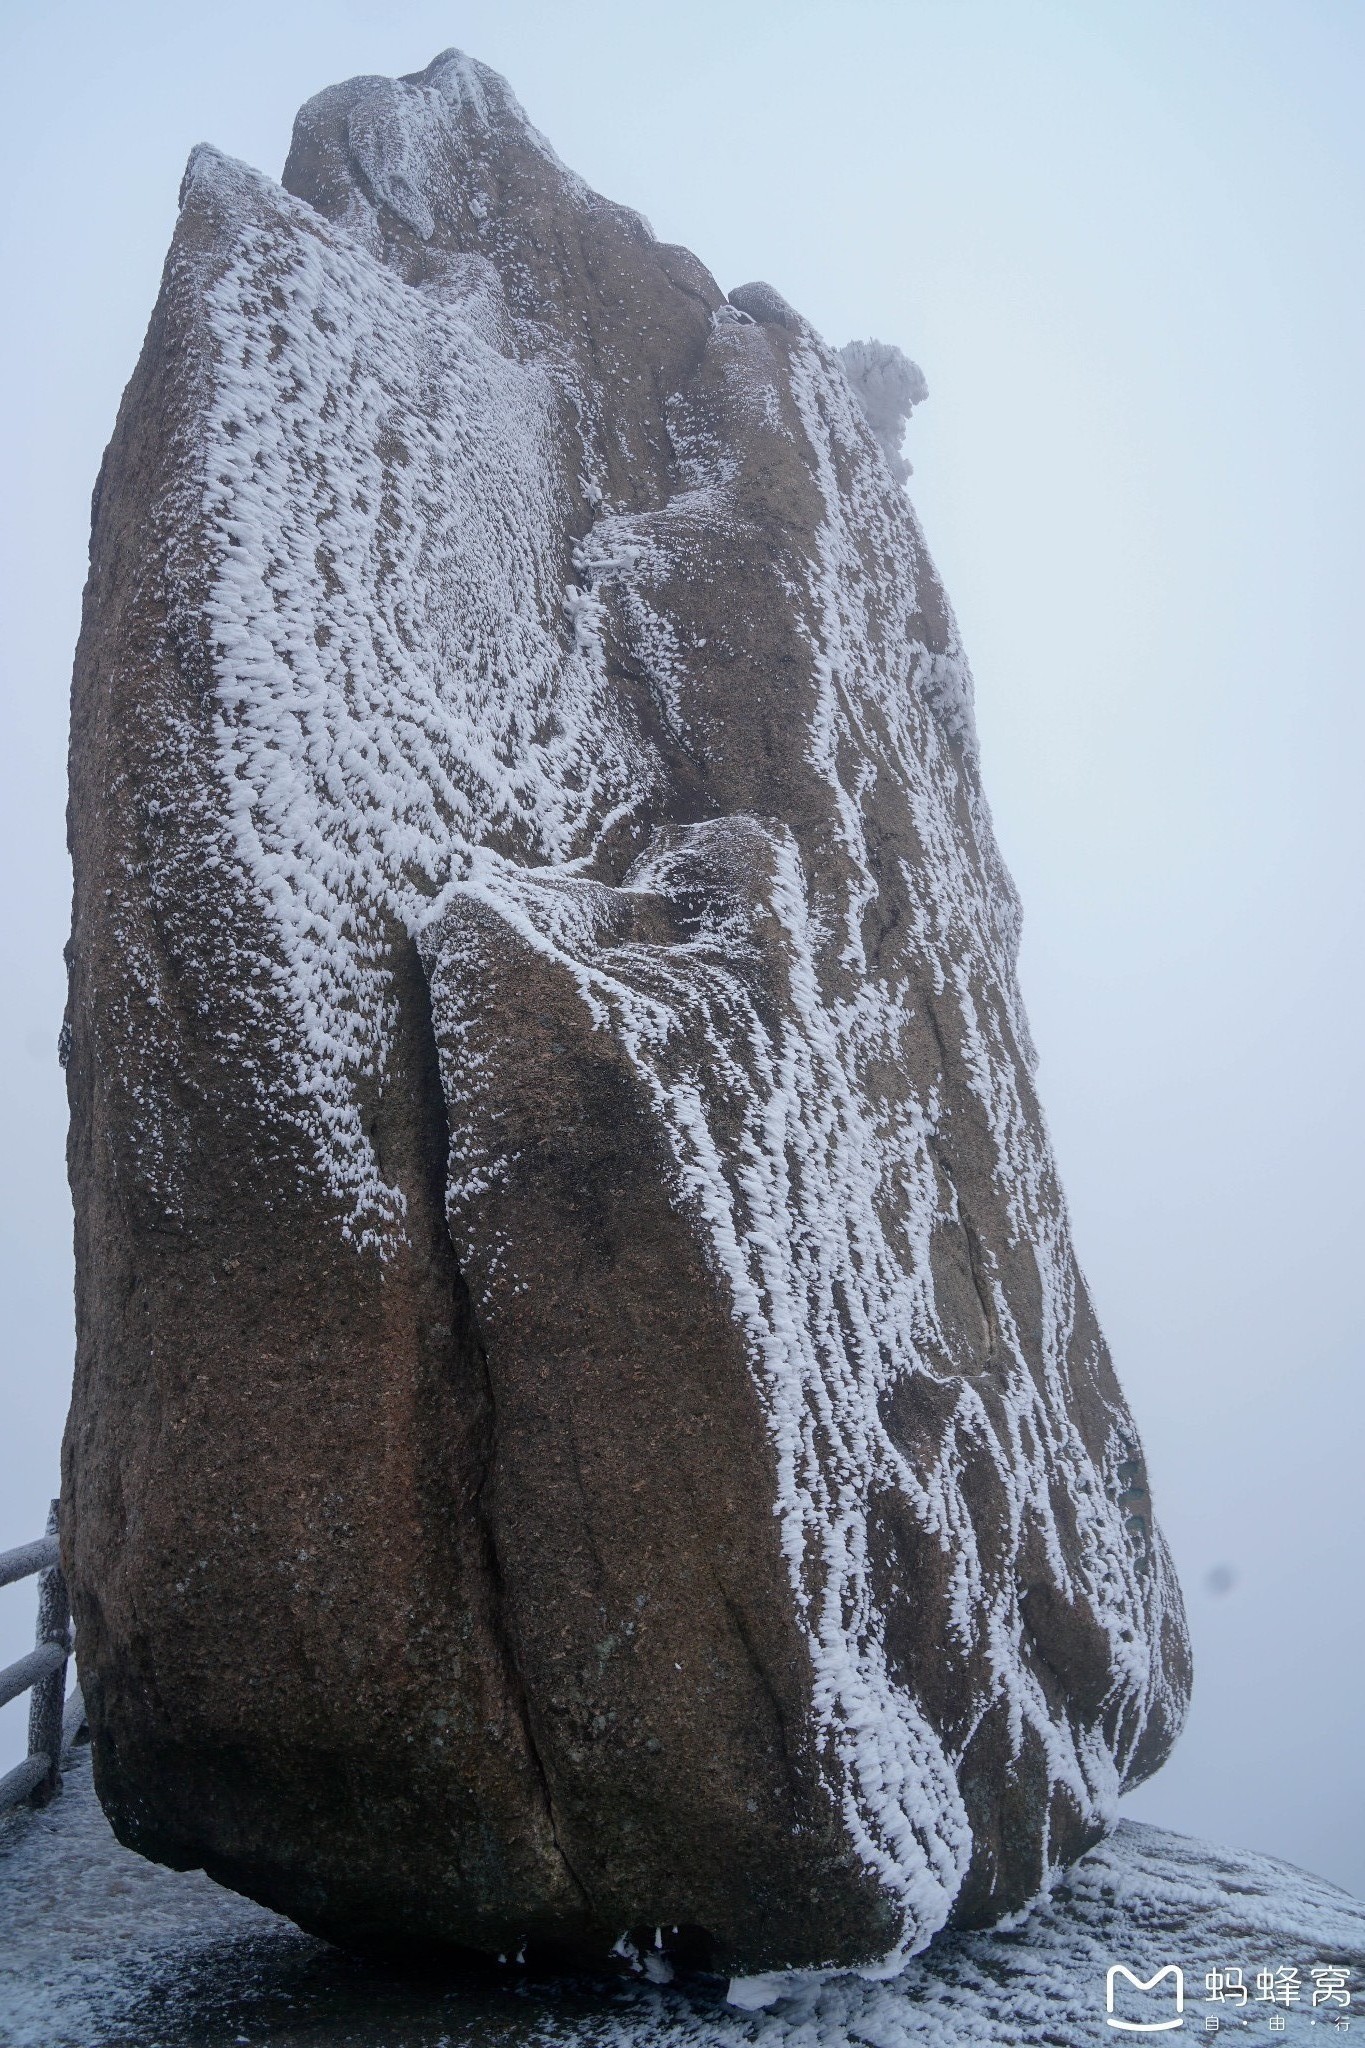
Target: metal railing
[54,1722]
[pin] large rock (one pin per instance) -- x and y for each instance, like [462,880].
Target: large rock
[586,1414]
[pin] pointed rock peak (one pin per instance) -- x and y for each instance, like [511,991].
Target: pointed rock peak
[423,153]
[478,98]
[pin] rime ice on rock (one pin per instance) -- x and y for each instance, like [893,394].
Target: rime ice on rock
[572,1271]
[888,387]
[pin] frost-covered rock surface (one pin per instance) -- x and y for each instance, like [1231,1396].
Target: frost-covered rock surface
[102,1948]
[586,1417]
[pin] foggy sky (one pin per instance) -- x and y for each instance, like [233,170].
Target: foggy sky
[1124,242]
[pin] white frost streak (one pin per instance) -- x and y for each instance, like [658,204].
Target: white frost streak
[399,675]
[791,1211]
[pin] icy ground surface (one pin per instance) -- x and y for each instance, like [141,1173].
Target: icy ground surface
[98,1947]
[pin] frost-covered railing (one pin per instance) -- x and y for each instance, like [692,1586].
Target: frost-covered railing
[53,1721]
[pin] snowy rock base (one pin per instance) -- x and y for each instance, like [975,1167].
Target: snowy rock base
[104,1950]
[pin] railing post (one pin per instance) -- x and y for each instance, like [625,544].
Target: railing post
[49,1694]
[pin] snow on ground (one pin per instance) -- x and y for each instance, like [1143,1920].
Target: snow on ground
[99,1949]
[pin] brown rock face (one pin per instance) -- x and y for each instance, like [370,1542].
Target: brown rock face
[586,1415]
